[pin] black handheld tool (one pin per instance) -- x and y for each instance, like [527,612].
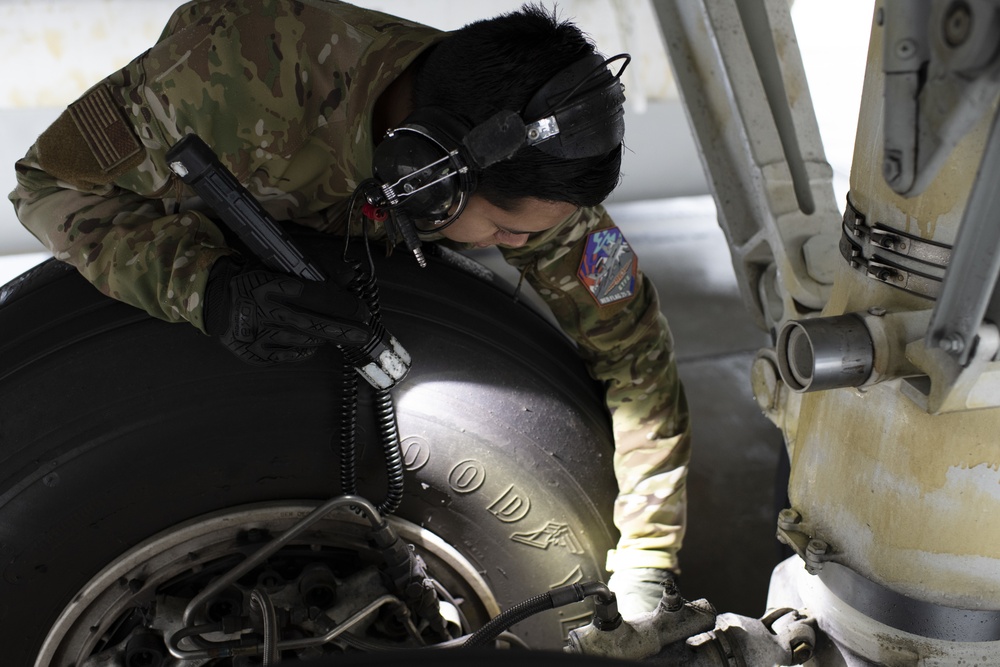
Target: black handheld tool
[382,361]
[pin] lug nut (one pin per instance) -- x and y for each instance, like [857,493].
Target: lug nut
[802,651]
[817,547]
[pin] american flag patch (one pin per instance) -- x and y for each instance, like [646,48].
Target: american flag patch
[102,124]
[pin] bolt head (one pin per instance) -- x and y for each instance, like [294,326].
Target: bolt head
[817,547]
[957,24]
[877,311]
[906,48]
[801,652]
[953,343]
[891,169]
[789,516]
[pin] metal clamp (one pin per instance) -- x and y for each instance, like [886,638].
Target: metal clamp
[883,254]
[918,617]
[894,241]
[885,271]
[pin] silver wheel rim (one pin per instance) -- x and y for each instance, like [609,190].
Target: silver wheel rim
[189,545]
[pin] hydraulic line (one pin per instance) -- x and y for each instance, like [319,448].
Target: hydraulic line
[272,547]
[232,648]
[260,604]
[459,642]
[399,560]
[445,595]
[606,615]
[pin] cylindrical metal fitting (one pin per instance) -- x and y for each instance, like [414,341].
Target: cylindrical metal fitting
[825,353]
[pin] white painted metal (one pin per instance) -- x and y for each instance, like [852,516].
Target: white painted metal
[908,499]
[742,81]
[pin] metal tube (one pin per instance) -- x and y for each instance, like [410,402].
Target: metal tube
[825,353]
[233,648]
[294,644]
[273,546]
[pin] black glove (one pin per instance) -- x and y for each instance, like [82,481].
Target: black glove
[266,317]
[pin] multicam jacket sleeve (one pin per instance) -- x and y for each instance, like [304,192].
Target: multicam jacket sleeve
[96,190]
[588,275]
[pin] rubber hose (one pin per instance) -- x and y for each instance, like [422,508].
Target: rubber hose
[502,621]
[557,597]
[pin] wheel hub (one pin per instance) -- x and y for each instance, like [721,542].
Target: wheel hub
[132,613]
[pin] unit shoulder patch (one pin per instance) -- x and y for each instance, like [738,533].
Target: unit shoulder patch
[608,267]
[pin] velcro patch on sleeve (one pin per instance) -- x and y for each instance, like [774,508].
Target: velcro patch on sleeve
[608,267]
[105,129]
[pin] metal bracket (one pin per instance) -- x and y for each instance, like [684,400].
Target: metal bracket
[968,293]
[794,533]
[941,65]
[761,149]
[542,129]
[951,386]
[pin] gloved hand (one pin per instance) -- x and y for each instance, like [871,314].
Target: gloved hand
[265,317]
[639,589]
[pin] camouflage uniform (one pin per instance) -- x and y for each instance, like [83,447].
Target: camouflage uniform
[284,92]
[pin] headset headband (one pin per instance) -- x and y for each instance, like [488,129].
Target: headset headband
[586,121]
[578,113]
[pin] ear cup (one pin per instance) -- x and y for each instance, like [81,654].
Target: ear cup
[426,168]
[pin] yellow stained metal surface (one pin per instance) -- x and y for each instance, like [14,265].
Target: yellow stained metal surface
[910,500]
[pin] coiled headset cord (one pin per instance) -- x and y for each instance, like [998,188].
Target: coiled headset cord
[365,287]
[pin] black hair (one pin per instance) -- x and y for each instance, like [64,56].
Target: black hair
[498,64]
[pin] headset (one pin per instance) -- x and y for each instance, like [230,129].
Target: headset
[424,171]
